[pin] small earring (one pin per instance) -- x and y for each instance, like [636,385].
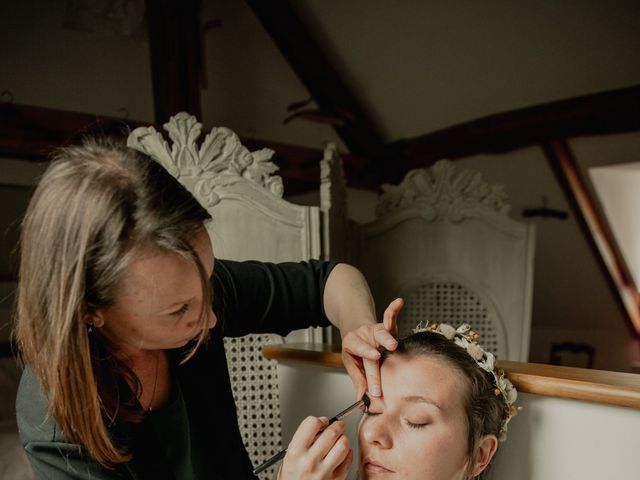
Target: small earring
[90,329]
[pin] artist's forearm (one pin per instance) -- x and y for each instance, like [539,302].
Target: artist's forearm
[347,299]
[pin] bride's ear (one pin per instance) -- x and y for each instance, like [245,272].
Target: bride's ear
[485,450]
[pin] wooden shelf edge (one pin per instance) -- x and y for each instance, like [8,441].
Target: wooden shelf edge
[610,388]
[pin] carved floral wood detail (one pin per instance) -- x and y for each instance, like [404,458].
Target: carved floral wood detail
[333,206]
[443,192]
[332,180]
[220,160]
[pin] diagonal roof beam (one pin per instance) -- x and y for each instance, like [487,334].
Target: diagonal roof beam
[613,111]
[318,75]
[595,229]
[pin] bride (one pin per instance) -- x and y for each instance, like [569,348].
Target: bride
[443,411]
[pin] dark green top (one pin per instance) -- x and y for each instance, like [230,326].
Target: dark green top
[197,435]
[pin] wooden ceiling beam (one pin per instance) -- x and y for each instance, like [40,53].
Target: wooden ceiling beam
[299,166]
[614,111]
[30,133]
[176,56]
[310,62]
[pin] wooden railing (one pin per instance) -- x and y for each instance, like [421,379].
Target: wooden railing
[612,388]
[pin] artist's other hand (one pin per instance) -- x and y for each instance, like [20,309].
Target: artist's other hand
[314,454]
[360,352]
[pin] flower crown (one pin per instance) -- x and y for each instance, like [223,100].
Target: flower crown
[467,339]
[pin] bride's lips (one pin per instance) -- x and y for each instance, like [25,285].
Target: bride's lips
[375,467]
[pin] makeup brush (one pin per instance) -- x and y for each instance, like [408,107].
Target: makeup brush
[364,401]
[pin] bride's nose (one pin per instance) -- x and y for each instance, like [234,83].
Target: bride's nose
[375,430]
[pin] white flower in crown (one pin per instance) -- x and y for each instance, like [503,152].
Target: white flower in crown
[475,351]
[447,330]
[489,363]
[421,327]
[502,382]
[462,329]
[509,389]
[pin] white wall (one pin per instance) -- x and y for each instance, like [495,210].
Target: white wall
[48,65]
[619,194]
[560,439]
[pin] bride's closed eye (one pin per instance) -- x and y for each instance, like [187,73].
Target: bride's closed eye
[416,425]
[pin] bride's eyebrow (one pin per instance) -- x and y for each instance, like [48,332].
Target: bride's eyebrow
[420,399]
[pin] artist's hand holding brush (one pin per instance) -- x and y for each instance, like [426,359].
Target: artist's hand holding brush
[318,451]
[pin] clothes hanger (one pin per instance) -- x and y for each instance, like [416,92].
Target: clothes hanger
[545,211]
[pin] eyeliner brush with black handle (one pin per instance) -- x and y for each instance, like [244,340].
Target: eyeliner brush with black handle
[365,401]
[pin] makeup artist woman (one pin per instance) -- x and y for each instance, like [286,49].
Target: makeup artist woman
[122,307]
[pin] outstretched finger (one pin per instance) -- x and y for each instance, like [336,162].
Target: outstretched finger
[390,317]
[383,338]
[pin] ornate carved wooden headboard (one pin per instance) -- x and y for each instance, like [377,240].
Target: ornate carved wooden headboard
[444,242]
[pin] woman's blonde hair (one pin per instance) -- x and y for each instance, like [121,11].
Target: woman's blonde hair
[95,207]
